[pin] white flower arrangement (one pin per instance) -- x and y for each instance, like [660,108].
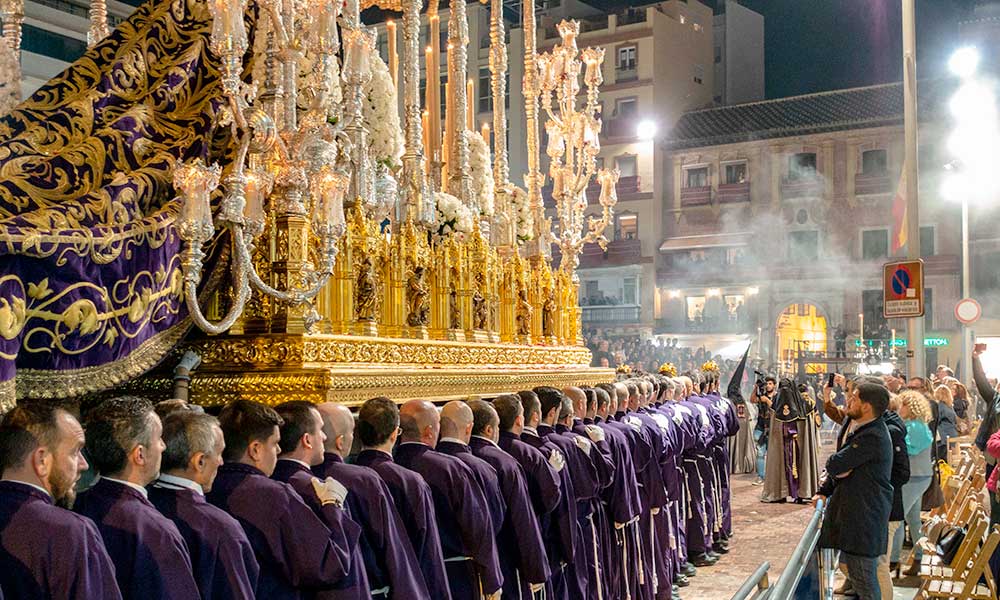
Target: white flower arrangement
[481,172]
[453,217]
[525,222]
[381,116]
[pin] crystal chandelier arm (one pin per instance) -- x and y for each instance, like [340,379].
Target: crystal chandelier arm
[242,295]
[292,296]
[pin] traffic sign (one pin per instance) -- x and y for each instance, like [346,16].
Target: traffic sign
[968,311]
[903,289]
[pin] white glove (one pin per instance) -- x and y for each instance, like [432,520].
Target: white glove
[583,444]
[536,587]
[595,433]
[330,491]
[557,460]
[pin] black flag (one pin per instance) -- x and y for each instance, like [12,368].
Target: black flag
[734,391]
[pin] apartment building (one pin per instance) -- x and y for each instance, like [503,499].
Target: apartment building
[55,35]
[778,220]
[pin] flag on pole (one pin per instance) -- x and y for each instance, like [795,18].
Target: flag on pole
[899,214]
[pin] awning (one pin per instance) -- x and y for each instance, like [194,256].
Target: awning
[716,240]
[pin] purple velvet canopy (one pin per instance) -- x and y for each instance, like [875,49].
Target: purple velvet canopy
[91,284]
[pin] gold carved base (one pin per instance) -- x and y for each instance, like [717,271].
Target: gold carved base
[455,335]
[478,335]
[351,369]
[366,328]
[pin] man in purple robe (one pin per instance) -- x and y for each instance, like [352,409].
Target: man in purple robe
[456,431]
[700,480]
[390,563]
[223,562]
[47,551]
[590,438]
[621,499]
[125,445]
[298,553]
[302,443]
[586,483]
[728,425]
[378,428]
[519,540]
[463,515]
[686,416]
[549,483]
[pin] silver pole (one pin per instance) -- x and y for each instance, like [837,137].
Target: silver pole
[966,292]
[915,333]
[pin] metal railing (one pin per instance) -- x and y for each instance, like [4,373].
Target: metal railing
[755,585]
[788,582]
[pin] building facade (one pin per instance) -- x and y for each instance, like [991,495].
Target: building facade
[739,54]
[55,35]
[778,221]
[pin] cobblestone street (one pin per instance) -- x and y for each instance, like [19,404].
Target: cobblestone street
[762,531]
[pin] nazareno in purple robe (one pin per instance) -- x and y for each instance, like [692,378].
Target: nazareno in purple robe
[627,534]
[413,500]
[468,539]
[519,541]
[355,586]
[586,485]
[389,559]
[297,552]
[565,536]
[150,556]
[49,552]
[223,562]
[622,508]
[485,474]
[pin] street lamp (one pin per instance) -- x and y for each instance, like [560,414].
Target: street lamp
[975,145]
[646,130]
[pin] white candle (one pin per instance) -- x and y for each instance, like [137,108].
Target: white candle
[390,32]
[469,124]
[485,132]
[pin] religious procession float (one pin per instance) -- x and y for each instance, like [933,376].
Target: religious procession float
[252,182]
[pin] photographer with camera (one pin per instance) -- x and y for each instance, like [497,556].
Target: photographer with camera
[763,397]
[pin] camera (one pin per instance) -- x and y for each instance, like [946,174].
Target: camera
[760,385]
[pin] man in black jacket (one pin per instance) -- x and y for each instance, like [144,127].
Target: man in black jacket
[858,485]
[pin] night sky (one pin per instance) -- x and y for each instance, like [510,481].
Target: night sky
[817,45]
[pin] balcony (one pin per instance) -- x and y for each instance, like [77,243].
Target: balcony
[805,186]
[732,193]
[867,184]
[622,315]
[624,75]
[632,16]
[626,186]
[622,126]
[696,196]
[619,252]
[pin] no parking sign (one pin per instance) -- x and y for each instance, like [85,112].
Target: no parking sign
[903,289]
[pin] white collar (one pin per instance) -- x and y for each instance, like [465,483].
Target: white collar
[134,486]
[34,485]
[174,482]
[530,430]
[417,443]
[295,460]
[486,439]
[453,441]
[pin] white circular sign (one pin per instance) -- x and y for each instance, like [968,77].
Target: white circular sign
[968,311]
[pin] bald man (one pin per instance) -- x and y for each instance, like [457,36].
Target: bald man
[390,562]
[468,538]
[377,430]
[519,540]
[599,454]
[549,482]
[456,432]
[637,581]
